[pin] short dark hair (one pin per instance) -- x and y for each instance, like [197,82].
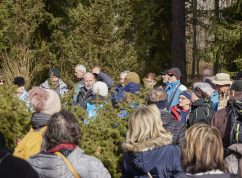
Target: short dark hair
[63,127]
[19,81]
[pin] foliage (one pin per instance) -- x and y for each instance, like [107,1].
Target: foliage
[15,116]
[228,30]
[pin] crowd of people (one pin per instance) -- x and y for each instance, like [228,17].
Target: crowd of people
[183,132]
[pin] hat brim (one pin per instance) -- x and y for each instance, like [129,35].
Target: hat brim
[222,82]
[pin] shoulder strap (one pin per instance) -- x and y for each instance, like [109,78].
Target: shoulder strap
[173,95]
[150,176]
[69,165]
[4,157]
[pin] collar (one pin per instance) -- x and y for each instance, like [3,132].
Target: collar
[67,146]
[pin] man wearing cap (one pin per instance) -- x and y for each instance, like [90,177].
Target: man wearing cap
[55,83]
[182,109]
[221,118]
[223,84]
[174,87]
[80,71]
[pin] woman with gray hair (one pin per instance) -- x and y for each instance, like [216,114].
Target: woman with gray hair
[63,158]
[202,106]
[148,148]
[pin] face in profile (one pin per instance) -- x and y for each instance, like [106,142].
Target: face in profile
[183,101]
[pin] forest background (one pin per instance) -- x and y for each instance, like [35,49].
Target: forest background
[138,35]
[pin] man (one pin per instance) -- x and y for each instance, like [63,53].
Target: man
[174,87]
[21,91]
[177,129]
[85,92]
[223,84]
[222,118]
[182,109]
[100,76]
[55,83]
[80,71]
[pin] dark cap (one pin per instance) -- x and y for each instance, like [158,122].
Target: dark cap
[175,71]
[19,81]
[55,71]
[187,94]
[237,85]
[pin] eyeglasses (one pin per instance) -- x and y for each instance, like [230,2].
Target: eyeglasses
[170,75]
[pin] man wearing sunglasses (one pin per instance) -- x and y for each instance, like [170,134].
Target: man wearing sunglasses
[174,87]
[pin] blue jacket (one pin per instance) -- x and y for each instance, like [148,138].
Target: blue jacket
[170,90]
[160,162]
[215,100]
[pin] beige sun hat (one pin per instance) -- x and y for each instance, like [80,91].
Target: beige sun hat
[222,79]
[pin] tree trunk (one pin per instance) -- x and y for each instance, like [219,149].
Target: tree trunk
[178,37]
[194,39]
[216,19]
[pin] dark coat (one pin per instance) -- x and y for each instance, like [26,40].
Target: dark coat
[221,121]
[84,97]
[12,167]
[201,111]
[162,161]
[210,176]
[176,128]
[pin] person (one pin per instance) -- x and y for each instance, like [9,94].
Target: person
[131,86]
[11,166]
[62,137]
[55,83]
[223,84]
[101,76]
[21,91]
[45,102]
[222,118]
[174,87]
[97,101]
[182,109]
[177,129]
[80,71]
[148,148]
[164,77]
[208,77]
[85,92]
[122,77]
[150,80]
[202,153]
[202,107]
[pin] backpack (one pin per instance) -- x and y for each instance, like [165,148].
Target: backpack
[236,122]
[30,144]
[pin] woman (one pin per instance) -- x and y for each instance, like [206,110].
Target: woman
[202,153]
[202,106]
[45,102]
[148,149]
[63,157]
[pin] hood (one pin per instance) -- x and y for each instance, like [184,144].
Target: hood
[132,88]
[202,102]
[39,120]
[144,146]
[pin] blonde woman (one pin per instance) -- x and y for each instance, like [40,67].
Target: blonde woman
[203,154]
[148,148]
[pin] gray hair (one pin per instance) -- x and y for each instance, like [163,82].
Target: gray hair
[82,68]
[63,127]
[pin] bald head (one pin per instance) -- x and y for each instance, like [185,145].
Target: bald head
[89,80]
[208,74]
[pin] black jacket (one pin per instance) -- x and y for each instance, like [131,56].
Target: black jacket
[176,128]
[201,111]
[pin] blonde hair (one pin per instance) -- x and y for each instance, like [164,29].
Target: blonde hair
[146,124]
[202,149]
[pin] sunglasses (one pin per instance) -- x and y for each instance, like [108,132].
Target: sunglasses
[170,75]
